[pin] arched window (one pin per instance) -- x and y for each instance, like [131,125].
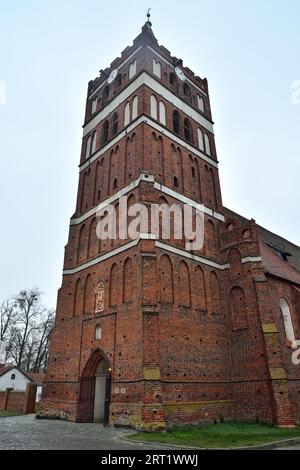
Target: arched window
[88,147]
[105,132]
[176,123]
[188,134]
[127,115]
[162,113]
[175,179]
[118,82]
[156,68]
[135,107]
[105,94]
[200,102]
[94,106]
[207,144]
[187,92]
[94,142]
[173,80]
[13,376]
[287,320]
[98,332]
[200,139]
[132,70]
[153,107]
[115,124]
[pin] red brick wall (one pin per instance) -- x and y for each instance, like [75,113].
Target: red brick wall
[23,402]
[186,342]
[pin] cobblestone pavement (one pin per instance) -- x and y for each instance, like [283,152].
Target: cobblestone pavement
[26,433]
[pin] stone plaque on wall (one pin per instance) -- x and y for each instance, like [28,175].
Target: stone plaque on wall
[99,293]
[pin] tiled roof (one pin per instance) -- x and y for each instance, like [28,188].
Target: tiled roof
[32,376]
[274,264]
[271,245]
[36,377]
[4,368]
[283,244]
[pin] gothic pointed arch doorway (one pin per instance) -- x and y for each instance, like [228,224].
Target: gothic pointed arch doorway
[95,384]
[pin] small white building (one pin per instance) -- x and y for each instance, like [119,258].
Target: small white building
[14,378]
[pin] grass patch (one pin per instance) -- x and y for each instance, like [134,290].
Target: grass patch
[5,414]
[219,435]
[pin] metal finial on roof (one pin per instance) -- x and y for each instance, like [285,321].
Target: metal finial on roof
[148,22]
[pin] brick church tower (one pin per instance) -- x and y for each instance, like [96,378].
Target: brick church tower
[149,333]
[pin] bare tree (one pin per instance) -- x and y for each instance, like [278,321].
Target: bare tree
[45,328]
[25,325]
[7,318]
[28,307]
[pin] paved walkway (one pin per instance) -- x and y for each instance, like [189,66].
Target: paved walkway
[26,432]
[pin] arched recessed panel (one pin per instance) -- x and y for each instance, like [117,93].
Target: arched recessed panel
[132,70]
[156,68]
[287,321]
[153,107]
[200,102]
[162,113]
[135,104]
[127,281]
[215,294]
[207,144]
[127,114]
[114,285]
[238,309]
[166,280]
[184,287]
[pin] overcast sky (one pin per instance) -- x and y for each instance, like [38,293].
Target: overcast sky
[49,50]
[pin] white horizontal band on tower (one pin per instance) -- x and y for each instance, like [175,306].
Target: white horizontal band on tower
[145,79]
[103,257]
[159,187]
[158,244]
[189,255]
[173,67]
[251,259]
[159,128]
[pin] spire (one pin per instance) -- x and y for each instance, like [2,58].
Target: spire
[148,22]
[147,33]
